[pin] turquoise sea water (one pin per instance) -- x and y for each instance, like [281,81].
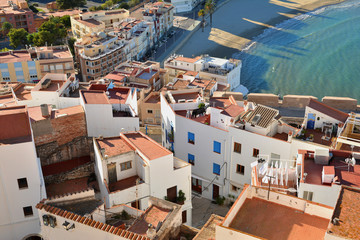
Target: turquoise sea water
[314,54]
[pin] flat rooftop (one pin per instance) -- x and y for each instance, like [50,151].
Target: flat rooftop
[23,92]
[347,210]
[274,221]
[151,149]
[118,95]
[153,215]
[36,114]
[349,178]
[114,146]
[94,97]
[220,102]
[15,125]
[147,75]
[15,56]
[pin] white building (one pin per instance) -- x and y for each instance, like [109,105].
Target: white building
[109,111]
[133,167]
[54,88]
[21,180]
[85,218]
[225,71]
[223,141]
[184,5]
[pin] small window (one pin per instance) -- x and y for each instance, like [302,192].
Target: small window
[191,138]
[216,169]
[308,195]
[237,147]
[234,188]
[240,169]
[125,166]
[255,152]
[28,211]
[191,159]
[22,182]
[150,111]
[217,147]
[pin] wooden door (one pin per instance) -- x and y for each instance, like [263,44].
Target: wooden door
[215,191]
[112,172]
[172,194]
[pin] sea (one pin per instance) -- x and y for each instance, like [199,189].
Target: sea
[317,53]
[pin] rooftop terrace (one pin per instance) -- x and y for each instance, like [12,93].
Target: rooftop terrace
[274,221]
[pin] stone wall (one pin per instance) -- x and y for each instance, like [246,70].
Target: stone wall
[79,172]
[301,101]
[237,95]
[344,103]
[267,99]
[52,153]
[296,101]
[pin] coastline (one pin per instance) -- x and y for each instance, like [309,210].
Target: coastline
[237,23]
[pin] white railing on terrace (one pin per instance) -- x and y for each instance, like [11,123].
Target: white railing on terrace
[103,54]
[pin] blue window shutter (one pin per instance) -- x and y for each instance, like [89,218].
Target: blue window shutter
[217,147]
[216,168]
[191,137]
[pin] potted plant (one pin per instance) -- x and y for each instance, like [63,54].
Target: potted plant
[180,199]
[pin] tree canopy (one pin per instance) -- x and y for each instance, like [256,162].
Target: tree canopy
[17,37]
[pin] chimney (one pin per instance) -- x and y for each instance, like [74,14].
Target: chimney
[45,110]
[290,136]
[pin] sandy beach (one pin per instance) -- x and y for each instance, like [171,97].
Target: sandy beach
[237,22]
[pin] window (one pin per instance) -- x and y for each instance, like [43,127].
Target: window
[150,111]
[234,188]
[22,182]
[191,159]
[217,147]
[308,195]
[125,166]
[216,169]
[28,211]
[255,152]
[191,138]
[46,68]
[237,147]
[240,169]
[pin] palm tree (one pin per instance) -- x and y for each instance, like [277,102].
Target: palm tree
[201,13]
[210,8]
[5,28]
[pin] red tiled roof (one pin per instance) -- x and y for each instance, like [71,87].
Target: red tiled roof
[233,110]
[327,110]
[114,146]
[189,60]
[91,223]
[151,149]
